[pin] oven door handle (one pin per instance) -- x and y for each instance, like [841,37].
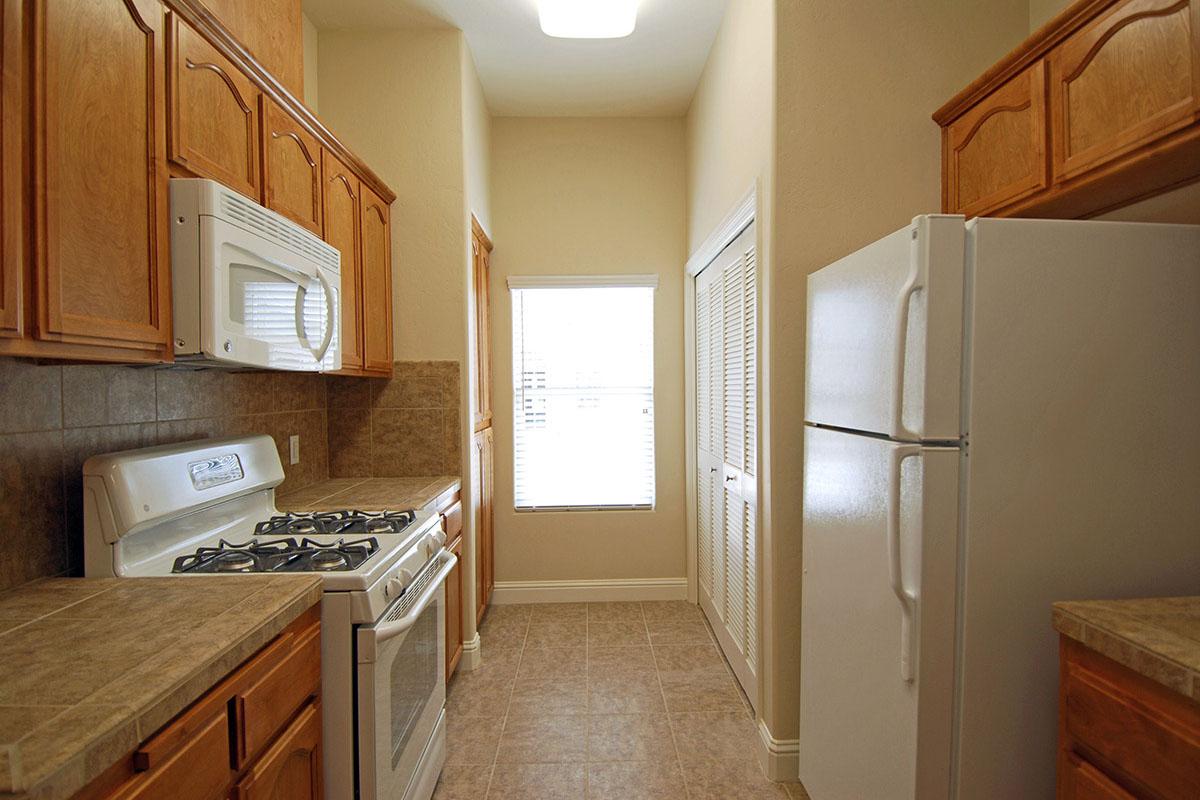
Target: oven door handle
[390,630]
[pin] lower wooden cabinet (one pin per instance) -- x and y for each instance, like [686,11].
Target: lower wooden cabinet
[254,736]
[454,609]
[1122,735]
[482,464]
[449,508]
[291,769]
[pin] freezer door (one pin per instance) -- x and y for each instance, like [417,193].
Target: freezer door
[878,629]
[885,335]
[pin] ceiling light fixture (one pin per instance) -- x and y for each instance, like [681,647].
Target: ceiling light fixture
[588,19]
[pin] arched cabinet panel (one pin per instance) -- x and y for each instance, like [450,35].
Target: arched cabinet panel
[214,113]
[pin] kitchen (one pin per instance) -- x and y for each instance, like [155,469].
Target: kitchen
[582,667]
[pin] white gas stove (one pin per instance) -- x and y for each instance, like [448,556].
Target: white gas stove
[208,508]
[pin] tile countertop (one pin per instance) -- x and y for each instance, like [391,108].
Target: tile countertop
[1155,637]
[90,668]
[368,494]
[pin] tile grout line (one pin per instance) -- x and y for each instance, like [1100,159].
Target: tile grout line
[687,792]
[504,722]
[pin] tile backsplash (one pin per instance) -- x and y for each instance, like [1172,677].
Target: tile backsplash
[404,426]
[53,418]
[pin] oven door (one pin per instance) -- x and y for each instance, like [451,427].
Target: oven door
[266,306]
[401,688]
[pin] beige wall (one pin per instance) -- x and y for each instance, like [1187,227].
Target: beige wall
[1041,11]
[311,77]
[857,156]
[591,196]
[477,143]
[730,125]
[396,100]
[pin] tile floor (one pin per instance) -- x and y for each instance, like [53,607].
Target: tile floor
[604,701]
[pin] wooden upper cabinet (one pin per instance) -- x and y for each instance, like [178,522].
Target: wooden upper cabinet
[340,194]
[1098,109]
[481,347]
[291,768]
[291,167]
[995,154]
[100,178]
[214,113]
[1128,78]
[12,227]
[375,226]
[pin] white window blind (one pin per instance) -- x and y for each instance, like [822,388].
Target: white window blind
[583,378]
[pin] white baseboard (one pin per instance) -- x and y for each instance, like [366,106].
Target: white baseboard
[508,592]
[472,656]
[779,758]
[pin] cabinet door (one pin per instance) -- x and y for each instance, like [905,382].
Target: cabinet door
[291,768]
[454,611]
[102,270]
[1129,77]
[481,356]
[291,168]
[376,282]
[214,113]
[482,464]
[339,194]
[12,227]
[995,154]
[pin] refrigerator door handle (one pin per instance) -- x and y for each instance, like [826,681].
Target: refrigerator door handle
[908,599]
[899,354]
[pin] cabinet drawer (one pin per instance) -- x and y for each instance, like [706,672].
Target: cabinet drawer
[995,153]
[187,760]
[1127,79]
[1085,782]
[1132,731]
[279,681]
[452,521]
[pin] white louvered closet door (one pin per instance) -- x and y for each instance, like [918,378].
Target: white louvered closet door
[727,452]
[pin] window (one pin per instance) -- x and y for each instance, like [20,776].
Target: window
[583,404]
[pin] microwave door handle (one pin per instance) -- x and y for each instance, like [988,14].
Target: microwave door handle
[331,317]
[390,630]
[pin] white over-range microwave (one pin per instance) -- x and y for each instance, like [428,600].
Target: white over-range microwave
[250,287]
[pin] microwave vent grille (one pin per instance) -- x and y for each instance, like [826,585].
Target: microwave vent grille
[258,220]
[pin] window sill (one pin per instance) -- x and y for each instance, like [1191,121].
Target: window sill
[577,509]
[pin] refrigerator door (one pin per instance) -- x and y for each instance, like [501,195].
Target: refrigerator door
[885,335]
[878,630]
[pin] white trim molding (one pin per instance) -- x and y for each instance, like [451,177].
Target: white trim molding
[736,221]
[582,281]
[596,591]
[779,758]
[472,655]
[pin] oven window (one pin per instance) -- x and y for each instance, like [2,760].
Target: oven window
[414,677]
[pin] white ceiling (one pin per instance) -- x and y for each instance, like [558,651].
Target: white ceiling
[654,72]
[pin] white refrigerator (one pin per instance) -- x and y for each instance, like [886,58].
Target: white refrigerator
[999,414]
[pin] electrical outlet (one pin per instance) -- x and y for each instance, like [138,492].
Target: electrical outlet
[294,448]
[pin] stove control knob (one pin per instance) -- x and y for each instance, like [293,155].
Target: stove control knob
[396,584]
[434,543]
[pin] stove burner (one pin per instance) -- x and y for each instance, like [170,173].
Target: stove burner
[326,560]
[337,523]
[234,561]
[279,555]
